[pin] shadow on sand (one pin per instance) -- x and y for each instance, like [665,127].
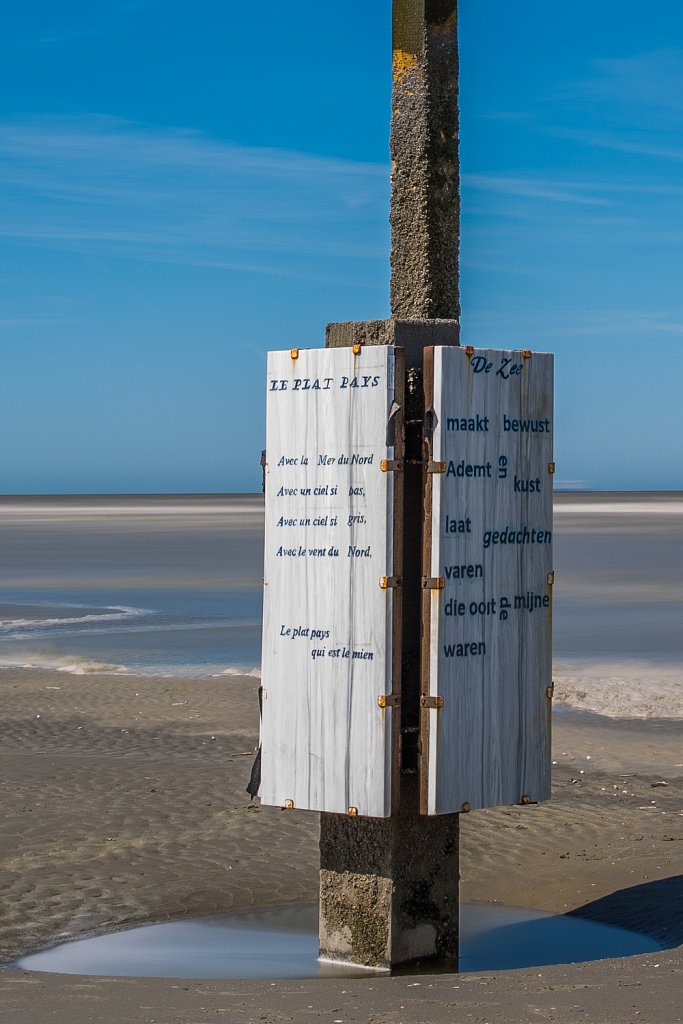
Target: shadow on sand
[654,909]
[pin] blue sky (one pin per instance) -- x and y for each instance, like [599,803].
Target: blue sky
[183,189]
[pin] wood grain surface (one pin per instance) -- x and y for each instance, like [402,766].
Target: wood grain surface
[328,636]
[488,545]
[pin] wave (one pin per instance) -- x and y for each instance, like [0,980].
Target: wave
[626,689]
[154,627]
[75,665]
[234,670]
[112,613]
[71,664]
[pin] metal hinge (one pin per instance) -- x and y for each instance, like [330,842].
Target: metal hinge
[388,700]
[433,583]
[391,465]
[389,582]
[432,702]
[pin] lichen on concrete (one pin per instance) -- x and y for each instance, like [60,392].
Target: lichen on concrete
[355,915]
[389,886]
[425,203]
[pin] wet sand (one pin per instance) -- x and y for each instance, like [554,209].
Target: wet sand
[123,802]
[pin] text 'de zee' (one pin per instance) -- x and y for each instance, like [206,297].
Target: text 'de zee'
[489,547]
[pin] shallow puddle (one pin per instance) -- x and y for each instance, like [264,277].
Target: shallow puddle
[283,943]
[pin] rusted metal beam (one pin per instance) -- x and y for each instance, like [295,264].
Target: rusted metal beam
[425,204]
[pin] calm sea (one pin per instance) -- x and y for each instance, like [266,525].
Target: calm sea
[172,585]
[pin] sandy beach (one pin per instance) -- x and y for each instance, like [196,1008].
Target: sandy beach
[123,802]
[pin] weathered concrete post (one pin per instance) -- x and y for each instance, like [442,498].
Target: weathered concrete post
[424,152]
[389,887]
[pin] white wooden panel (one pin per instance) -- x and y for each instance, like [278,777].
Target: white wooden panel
[327,634]
[491,540]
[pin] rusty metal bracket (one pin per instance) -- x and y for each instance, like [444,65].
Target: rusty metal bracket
[551,468]
[388,700]
[432,702]
[433,583]
[294,353]
[289,805]
[551,579]
[469,351]
[391,465]
[436,467]
[550,691]
[390,582]
[527,353]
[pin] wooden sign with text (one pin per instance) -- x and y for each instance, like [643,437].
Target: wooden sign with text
[486,656]
[331,630]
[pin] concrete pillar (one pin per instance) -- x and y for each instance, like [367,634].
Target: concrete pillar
[389,887]
[425,204]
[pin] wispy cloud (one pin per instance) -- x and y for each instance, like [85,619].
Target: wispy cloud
[108,185]
[107,16]
[621,322]
[560,323]
[631,104]
[643,86]
[640,143]
[532,188]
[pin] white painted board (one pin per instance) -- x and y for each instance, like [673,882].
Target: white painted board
[490,540]
[327,628]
